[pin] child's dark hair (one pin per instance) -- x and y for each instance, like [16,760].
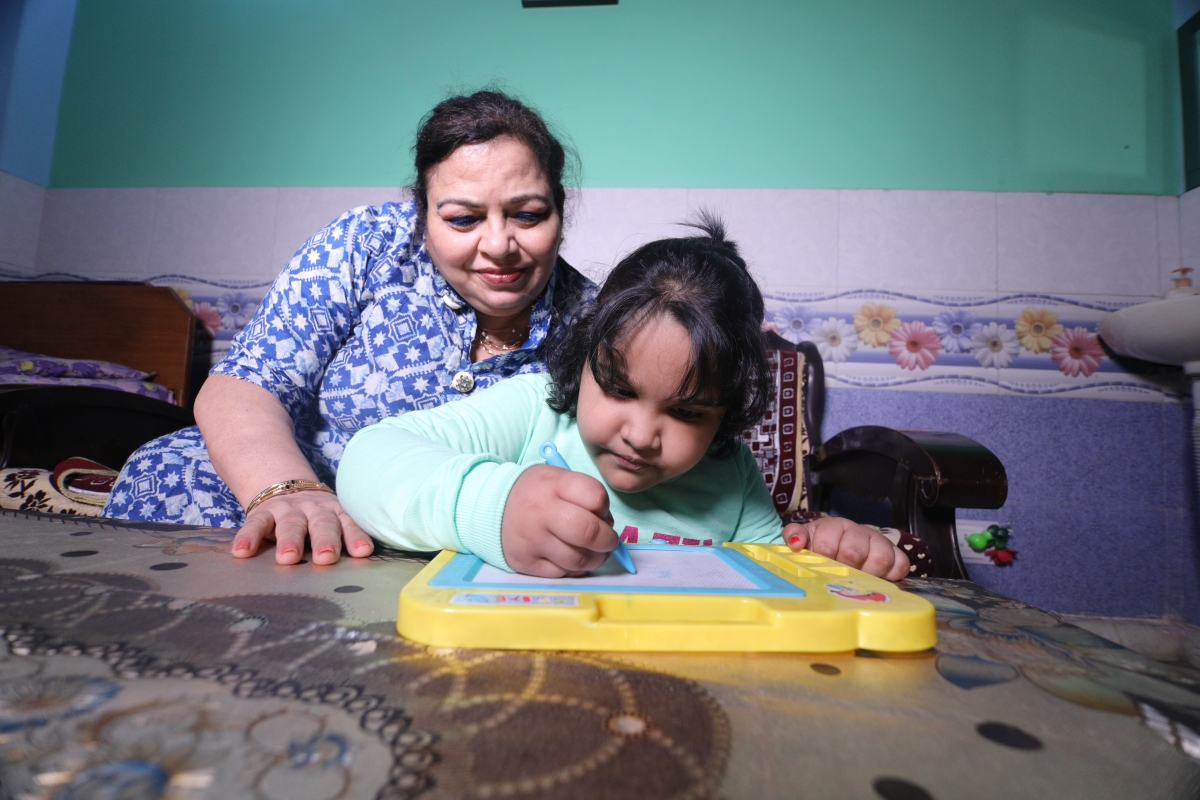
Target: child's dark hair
[704,285]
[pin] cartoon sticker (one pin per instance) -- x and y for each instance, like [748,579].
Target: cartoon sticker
[506,599]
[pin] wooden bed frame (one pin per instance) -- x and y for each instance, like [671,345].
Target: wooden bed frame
[141,326]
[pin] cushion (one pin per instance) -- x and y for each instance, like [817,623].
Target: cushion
[19,362]
[781,442]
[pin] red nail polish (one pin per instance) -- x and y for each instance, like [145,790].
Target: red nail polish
[794,538]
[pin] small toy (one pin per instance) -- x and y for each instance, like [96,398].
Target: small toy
[993,543]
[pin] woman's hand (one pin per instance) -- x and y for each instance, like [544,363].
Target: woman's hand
[556,523]
[252,445]
[849,543]
[290,519]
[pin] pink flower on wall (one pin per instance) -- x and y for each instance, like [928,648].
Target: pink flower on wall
[914,345]
[208,315]
[1077,352]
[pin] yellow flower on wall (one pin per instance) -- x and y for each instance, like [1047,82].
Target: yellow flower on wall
[1036,328]
[875,323]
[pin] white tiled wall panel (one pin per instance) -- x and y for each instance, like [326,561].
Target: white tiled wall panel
[605,224]
[1078,244]
[1112,245]
[1189,230]
[918,240]
[98,232]
[20,219]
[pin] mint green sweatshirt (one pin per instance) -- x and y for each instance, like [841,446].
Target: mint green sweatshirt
[439,478]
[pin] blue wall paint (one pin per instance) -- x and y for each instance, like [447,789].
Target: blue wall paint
[36,60]
[1100,494]
[1183,10]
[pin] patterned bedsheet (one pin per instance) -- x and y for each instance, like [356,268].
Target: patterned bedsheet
[21,368]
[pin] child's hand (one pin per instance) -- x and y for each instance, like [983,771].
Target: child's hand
[850,543]
[556,523]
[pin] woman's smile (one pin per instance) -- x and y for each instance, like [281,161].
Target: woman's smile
[502,277]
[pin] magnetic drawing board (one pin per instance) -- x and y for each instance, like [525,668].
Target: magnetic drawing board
[739,597]
[662,569]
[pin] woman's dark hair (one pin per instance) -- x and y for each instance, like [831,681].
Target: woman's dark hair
[482,117]
[704,285]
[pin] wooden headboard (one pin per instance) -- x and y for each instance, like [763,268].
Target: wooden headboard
[141,326]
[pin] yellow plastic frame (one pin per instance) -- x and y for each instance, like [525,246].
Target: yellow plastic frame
[861,612]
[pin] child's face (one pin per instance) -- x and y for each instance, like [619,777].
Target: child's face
[642,434]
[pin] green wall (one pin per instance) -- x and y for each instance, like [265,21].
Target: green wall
[1017,95]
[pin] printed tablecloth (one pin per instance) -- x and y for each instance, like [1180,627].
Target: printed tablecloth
[142,661]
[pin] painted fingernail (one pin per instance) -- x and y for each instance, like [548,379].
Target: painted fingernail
[794,539]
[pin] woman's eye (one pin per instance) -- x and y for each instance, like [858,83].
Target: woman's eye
[461,222]
[531,217]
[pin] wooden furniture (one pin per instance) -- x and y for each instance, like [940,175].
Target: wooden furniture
[910,480]
[141,326]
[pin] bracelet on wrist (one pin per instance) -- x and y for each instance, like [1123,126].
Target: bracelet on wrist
[286,487]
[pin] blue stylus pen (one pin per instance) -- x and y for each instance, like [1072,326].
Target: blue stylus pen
[550,454]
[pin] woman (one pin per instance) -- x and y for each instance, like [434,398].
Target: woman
[385,310]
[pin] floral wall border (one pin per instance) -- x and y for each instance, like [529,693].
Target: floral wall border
[1018,343]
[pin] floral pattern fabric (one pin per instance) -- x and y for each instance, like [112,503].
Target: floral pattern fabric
[19,362]
[19,368]
[360,326]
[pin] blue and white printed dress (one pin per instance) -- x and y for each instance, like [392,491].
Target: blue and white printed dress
[360,326]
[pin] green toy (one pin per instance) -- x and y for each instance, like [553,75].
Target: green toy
[995,537]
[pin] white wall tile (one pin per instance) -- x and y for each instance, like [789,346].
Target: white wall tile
[1189,231]
[917,240]
[98,233]
[787,236]
[606,224]
[1169,255]
[305,210]
[20,219]
[1078,244]
[226,233]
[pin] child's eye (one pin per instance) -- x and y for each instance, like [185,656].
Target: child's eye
[686,414]
[621,393]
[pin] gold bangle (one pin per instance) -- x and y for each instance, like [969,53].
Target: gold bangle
[287,487]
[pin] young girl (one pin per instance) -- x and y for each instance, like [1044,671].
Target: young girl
[646,396]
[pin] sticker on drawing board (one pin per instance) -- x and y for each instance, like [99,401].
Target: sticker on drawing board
[854,594]
[506,599]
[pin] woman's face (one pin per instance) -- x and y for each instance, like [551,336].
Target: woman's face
[493,229]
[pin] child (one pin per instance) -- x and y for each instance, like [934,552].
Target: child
[645,398]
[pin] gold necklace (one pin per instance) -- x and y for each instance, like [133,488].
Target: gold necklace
[501,340]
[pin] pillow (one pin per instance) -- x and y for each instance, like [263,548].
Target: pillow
[18,362]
